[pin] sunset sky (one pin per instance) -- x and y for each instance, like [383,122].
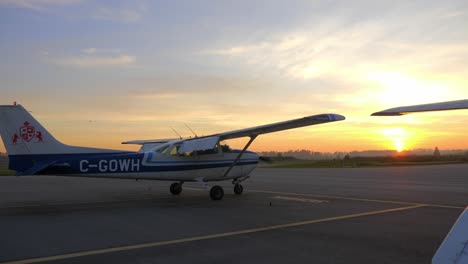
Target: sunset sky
[96,73]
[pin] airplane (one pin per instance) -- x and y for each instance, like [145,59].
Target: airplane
[454,248]
[32,150]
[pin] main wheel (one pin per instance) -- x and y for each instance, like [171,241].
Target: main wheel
[176,188]
[238,189]
[216,192]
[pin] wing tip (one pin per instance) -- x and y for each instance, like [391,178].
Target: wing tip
[384,113]
[335,117]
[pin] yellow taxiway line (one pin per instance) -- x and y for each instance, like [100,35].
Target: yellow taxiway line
[213,236]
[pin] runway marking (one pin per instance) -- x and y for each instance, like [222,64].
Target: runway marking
[288,198]
[207,237]
[345,198]
[357,199]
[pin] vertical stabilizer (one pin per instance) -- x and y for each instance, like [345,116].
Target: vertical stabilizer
[29,144]
[22,134]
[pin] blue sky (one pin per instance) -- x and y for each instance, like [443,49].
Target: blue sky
[138,68]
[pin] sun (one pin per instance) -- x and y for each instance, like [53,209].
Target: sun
[406,89]
[396,138]
[399,144]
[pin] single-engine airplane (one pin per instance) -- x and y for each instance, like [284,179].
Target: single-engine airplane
[454,248]
[32,150]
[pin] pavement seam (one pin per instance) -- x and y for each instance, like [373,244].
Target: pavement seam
[206,237]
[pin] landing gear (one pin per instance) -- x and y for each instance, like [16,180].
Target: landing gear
[176,188]
[216,192]
[238,189]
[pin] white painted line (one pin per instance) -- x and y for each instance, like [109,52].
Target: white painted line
[297,199]
[357,199]
[207,237]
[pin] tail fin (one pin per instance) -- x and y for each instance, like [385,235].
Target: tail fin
[29,144]
[23,135]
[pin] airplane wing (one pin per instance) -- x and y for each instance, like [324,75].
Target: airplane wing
[148,144]
[275,127]
[149,141]
[398,111]
[208,142]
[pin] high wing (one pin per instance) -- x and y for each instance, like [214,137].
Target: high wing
[149,141]
[402,110]
[275,127]
[208,142]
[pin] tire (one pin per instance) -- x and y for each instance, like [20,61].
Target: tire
[216,193]
[238,189]
[176,188]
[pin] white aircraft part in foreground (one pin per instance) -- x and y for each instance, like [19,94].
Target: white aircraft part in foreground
[454,249]
[32,150]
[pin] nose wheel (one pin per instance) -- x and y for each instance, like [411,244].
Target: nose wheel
[216,192]
[238,189]
[176,188]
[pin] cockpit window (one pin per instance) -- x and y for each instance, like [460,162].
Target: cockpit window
[162,150]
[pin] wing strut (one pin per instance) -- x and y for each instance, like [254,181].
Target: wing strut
[252,138]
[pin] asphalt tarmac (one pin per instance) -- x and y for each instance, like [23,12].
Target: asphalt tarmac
[369,215]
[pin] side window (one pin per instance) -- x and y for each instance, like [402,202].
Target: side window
[225,148]
[212,151]
[208,151]
[175,150]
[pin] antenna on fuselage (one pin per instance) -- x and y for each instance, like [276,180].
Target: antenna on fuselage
[190,129]
[180,137]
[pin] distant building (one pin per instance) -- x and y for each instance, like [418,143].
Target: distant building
[436,153]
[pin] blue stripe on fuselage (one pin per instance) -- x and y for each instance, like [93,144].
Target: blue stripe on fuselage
[124,162]
[24,162]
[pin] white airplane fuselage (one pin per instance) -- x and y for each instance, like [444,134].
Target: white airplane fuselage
[156,166]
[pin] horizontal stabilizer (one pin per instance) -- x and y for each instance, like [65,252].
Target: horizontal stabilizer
[402,110]
[35,169]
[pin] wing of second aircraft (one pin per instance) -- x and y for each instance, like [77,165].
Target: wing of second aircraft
[402,110]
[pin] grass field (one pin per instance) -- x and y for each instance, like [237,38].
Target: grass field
[358,163]
[6,172]
[333,164]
